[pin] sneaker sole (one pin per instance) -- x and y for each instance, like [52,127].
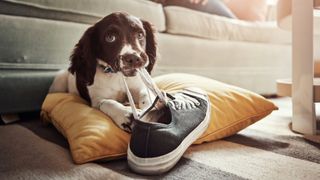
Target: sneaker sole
[161,164]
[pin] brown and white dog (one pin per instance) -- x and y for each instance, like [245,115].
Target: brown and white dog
[118,43]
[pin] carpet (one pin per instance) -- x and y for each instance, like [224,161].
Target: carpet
[267,149]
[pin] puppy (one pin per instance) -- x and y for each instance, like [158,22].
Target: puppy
[115,46]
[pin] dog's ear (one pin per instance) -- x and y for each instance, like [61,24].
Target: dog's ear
[151,44]
[84,63]
[83,58]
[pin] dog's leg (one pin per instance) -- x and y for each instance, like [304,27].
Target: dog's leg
[60,82]
[120,114]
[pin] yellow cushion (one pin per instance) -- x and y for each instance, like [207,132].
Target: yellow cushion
[232,108]
[93,136]
[90,133]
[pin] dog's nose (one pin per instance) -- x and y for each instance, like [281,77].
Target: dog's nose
[131,59]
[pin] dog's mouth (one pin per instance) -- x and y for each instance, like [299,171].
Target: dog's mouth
[133,69]
[129,72]
[130,66]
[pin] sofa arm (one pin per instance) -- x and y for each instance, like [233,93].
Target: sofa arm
[23,90]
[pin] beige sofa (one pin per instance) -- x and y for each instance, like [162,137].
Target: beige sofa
[37,37]
[246,54]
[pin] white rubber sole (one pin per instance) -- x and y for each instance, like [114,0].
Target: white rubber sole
[161,164]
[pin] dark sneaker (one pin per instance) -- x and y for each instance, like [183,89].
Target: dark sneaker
[155,147]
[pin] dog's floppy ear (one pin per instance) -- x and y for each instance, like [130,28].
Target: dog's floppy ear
[151,46]
[83,61]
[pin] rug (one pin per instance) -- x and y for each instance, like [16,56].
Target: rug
[267,149]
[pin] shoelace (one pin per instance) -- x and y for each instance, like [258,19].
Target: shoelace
[146,78]
[181,101]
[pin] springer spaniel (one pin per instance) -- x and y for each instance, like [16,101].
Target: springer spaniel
[114,46]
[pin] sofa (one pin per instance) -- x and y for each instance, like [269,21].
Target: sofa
[37,37]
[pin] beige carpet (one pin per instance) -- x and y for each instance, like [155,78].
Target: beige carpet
[265,150]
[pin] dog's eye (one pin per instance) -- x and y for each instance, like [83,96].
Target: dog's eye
[140,36]
[110,38]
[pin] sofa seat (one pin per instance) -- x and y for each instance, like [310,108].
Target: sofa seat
[253,66]
[188,22]
[83,11]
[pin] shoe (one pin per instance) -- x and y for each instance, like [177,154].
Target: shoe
[155,147]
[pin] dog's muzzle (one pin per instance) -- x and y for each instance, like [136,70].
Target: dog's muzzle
[131,62]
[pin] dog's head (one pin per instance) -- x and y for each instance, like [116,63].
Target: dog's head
[119,40]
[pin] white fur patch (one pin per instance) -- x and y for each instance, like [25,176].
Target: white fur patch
[121,63]
[127,49]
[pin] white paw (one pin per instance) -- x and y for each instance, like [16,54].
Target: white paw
[120,114]
[124,119]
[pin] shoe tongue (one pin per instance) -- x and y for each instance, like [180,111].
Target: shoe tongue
[166,117]
[162,116]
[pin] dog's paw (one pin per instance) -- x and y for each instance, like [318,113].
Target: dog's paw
[128,125]
[125,120]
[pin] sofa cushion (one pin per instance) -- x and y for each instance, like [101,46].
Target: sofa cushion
[250,65]
[83,11]
[216,7]
[221,28]
[38,43]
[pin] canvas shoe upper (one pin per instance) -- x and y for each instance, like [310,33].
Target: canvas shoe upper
[155,147]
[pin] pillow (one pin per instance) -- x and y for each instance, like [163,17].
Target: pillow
[216,7]
[90,133]
[250,10]
[93,136]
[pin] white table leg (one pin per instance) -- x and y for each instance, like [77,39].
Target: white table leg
[304,120]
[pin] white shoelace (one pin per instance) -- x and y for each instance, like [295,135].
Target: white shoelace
[181,101]
[146,78]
